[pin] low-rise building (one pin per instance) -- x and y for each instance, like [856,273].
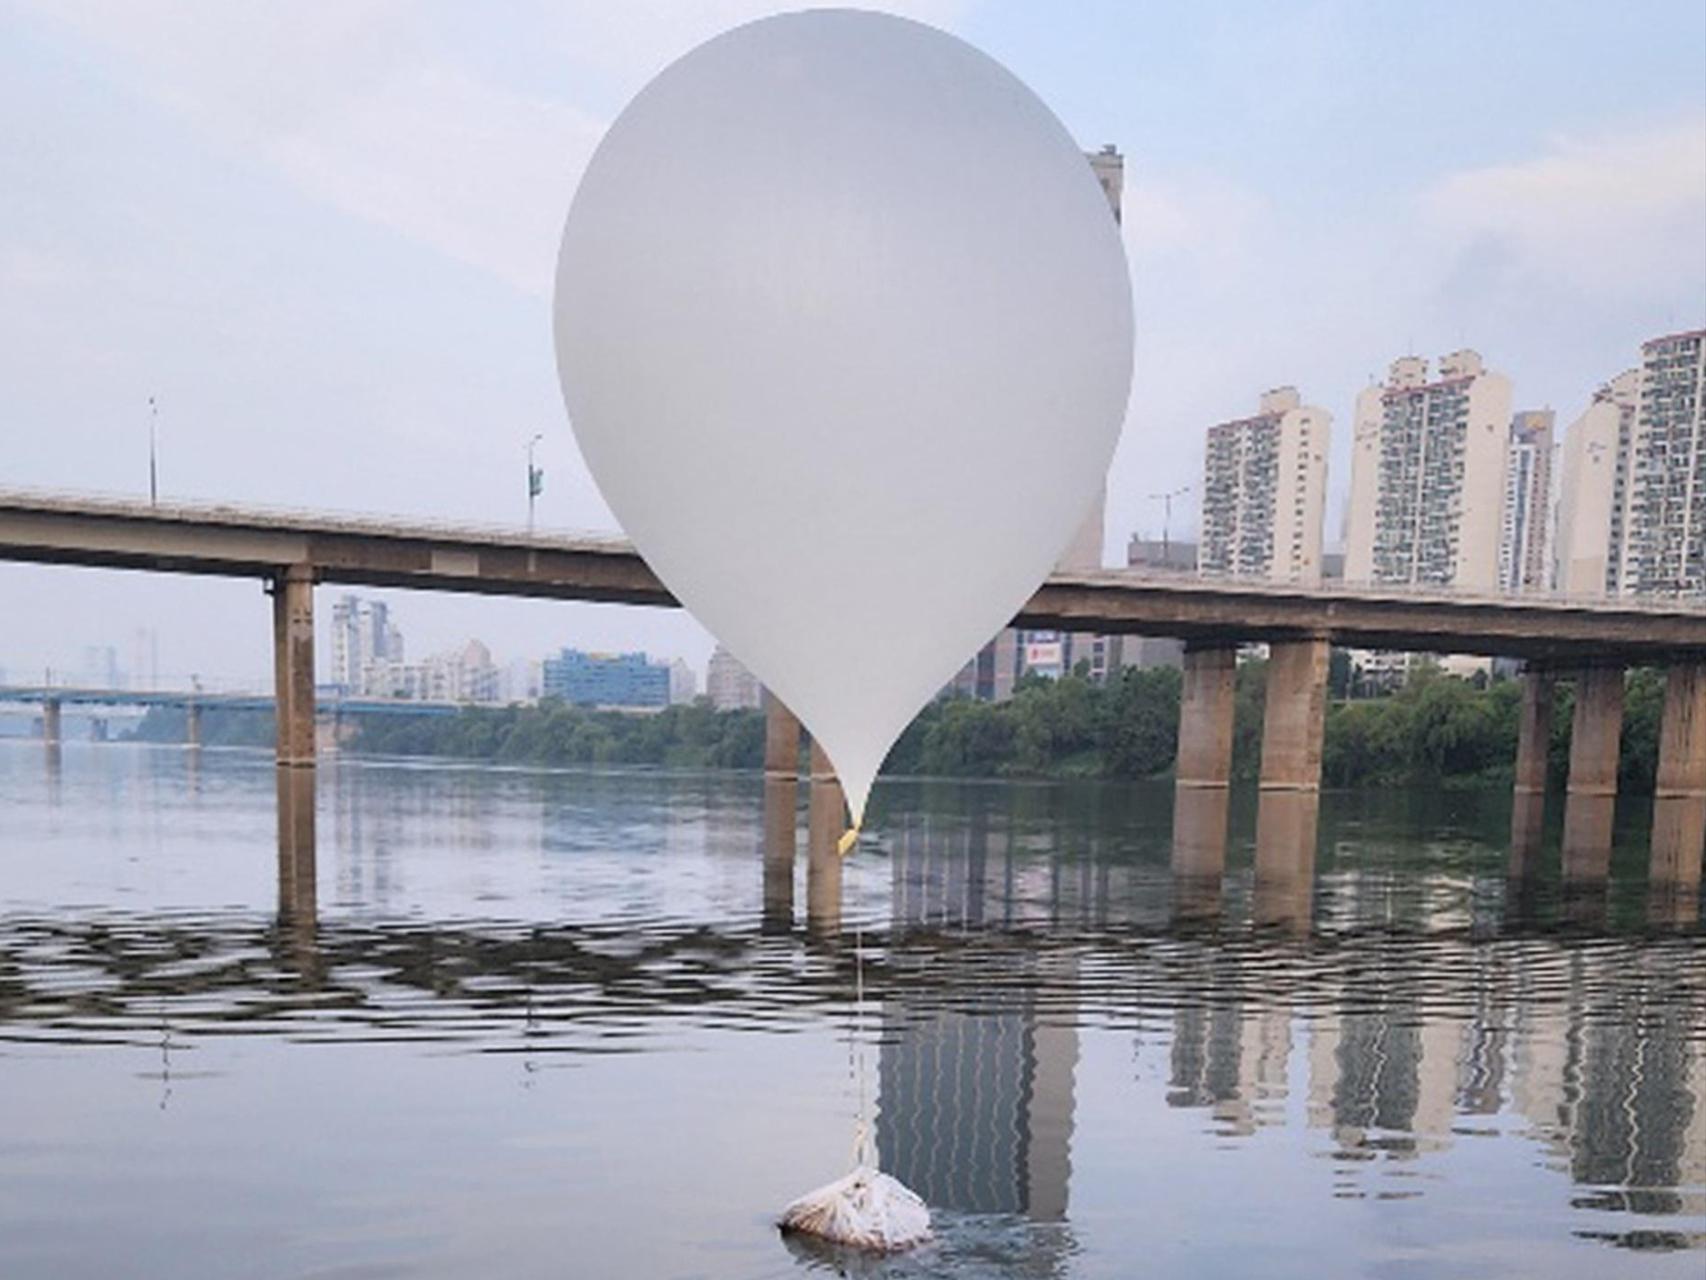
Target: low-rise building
[628,680]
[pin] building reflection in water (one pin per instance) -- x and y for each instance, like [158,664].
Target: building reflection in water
[1411,1018]
[1419,1009]
[1407,1040]
[975,1089]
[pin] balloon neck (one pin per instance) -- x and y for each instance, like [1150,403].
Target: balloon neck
[849,838]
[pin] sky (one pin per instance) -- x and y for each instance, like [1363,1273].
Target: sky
[323,237]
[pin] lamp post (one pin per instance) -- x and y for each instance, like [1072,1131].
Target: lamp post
[535,480]
[153,469]
[1166,500]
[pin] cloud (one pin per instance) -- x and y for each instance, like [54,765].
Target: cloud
[632,42]
[365,107]
[344,103]
[1619,213]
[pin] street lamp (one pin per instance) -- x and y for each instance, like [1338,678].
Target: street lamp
[153,470]
[1166,499]
[535,480]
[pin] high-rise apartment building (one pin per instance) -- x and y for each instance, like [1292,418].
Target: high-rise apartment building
[729,685]
[1265,492]
[363,640]
[1109,167]
[1632,515]
[996,668]
[683,684]
[1593,497]
[1525,526]
[1428,475]
[1664,538]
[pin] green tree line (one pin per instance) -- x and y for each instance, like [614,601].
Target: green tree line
[694,736]
[1437,728]
[220,727]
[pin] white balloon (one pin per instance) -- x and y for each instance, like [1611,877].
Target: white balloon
[844,330]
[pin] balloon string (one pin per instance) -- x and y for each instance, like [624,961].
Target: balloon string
[861,1129]
[863,1151]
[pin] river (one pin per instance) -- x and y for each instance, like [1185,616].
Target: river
[551,1024]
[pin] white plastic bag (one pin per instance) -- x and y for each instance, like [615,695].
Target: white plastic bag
[865,1210]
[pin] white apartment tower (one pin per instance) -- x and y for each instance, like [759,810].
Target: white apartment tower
[362,638]
[996,668]
[683,684]
[1085,549]
[1632,518]
[729,685]
[1593,499]
[1265,492]
[1525,527]
[1428,475]
[1664,538]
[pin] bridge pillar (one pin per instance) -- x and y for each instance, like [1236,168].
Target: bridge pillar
[1287,815]
[781,810]
[1596,727]
[1203,770]
[827,823]
[1679,792]
[293,690]
[192,724]
[293,665]
[1528,801]
[51,722]
[781,739]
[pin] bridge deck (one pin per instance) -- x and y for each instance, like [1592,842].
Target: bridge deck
[425,555]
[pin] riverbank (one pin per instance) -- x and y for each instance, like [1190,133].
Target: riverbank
[1437,730]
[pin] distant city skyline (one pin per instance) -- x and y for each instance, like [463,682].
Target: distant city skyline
[236,212]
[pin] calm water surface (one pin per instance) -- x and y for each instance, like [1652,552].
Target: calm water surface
[544,1024]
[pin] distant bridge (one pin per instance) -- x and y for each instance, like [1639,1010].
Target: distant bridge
[325,704]
[329,710]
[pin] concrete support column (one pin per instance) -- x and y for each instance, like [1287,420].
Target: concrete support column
[781,810]
[1287,816]
[51,724]
[781,739]
[827,822]
[1679,792]
[1203,770]
[293,665]
[293,690]
[1596,729]
[192,725]
[1528,800]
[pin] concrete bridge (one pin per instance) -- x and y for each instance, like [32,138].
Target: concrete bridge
[1587,641]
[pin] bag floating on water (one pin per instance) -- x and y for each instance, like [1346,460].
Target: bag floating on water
[865,1210]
